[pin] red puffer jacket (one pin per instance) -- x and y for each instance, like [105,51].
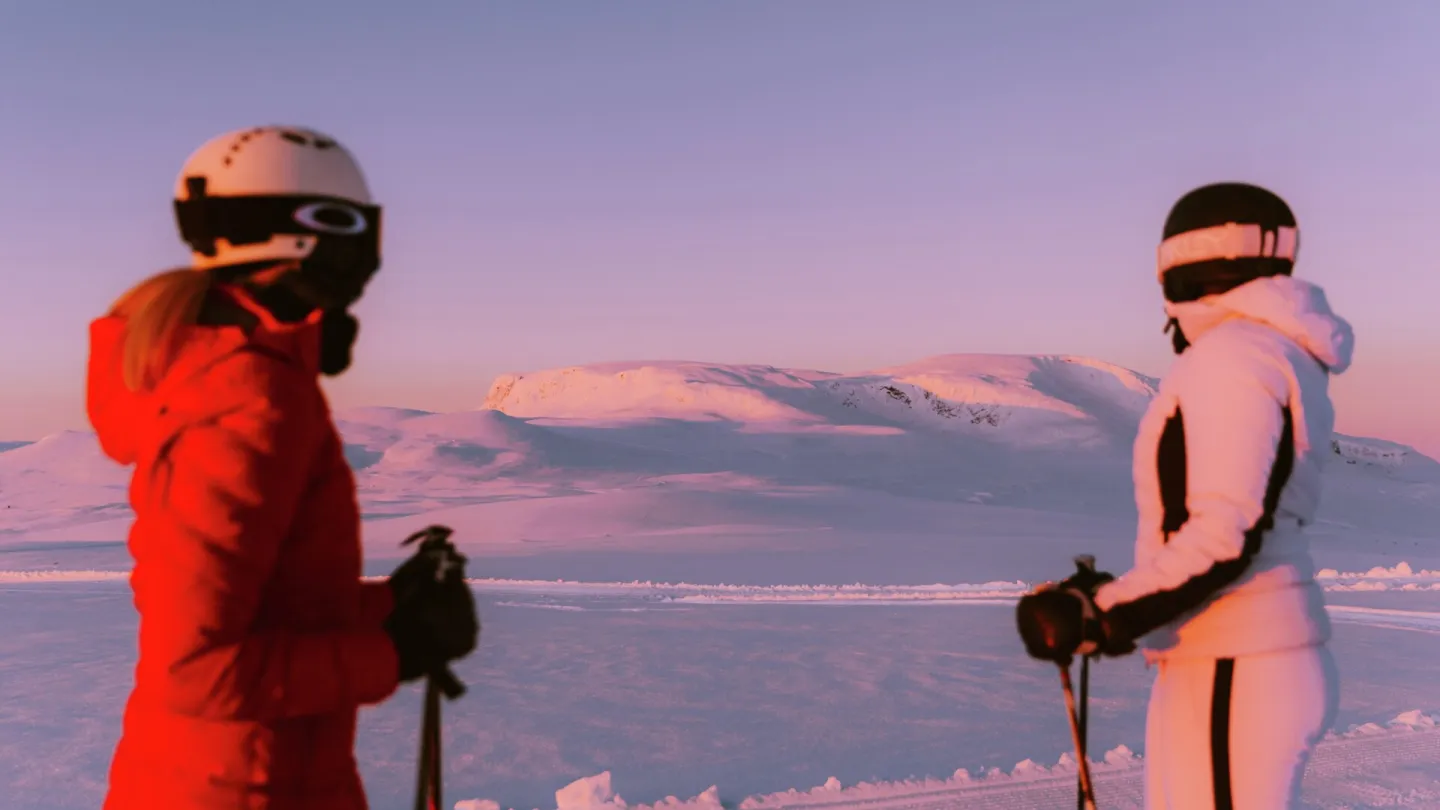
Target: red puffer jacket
[258,641]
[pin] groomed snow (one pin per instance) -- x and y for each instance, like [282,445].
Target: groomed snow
[773,704]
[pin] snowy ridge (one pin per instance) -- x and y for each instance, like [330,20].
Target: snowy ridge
[1413,720]
[664,593]
[17,577]
[1399,577]
[73,454]
[1410,735]
[1371,451]
[697,451]
[1027,399]
[716,594]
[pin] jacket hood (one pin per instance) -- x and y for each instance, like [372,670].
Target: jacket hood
[1296,308]
[126,422]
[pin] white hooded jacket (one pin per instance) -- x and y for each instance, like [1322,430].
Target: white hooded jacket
[1222,567]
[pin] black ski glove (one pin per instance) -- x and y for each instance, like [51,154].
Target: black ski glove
[417,654]
[433,629]
[1060,620]
[431,633]
[415,576]
[434,620]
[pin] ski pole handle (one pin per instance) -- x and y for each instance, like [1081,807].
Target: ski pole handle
[435,542]
[447,682]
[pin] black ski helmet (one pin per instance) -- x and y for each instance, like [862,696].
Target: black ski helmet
[1220,236]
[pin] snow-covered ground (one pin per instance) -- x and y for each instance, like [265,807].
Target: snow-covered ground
[757,579]
[750,690]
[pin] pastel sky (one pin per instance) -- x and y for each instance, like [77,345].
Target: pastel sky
[826,184]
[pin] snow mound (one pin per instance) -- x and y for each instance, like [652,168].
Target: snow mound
[479,444]
[369,430]
[1398,577]
[1120,758]
[1412,720]
[1075,386]
[402,450]
[991,786]
[61,481]
[71,456]
[595,793]
[678,390]
[1415,719]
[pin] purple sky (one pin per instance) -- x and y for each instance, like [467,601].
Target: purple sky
[826,184]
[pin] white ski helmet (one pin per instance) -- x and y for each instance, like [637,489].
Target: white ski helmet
[266,194]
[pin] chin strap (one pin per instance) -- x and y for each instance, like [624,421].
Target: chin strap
[1177,340]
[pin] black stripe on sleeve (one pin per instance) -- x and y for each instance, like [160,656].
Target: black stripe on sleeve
[1134,619]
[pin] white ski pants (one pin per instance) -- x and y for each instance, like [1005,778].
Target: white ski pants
[1236,733]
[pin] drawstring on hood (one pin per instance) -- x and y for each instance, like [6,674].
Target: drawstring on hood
[1296,308]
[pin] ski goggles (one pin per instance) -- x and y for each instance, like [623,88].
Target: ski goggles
[249,220]
[1228,242]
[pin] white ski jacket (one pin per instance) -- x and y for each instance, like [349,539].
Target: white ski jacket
[1227,473]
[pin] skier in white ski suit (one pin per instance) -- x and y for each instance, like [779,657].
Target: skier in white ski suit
[1227,466]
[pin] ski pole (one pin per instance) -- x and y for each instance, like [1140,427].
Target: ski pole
[427,790]
[1085,563]
[434,542]
[1087,790]
[441,681]
[1084,722]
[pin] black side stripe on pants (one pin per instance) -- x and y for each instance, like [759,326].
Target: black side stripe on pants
[1135,619]
[1220,733]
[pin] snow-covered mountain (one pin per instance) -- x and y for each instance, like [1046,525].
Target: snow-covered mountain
[1021,400]
[939,456]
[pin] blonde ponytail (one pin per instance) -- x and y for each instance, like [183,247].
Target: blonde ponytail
[154,311]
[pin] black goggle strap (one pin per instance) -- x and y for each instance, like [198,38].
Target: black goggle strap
[253,219]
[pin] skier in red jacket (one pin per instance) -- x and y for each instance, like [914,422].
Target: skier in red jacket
[258,640]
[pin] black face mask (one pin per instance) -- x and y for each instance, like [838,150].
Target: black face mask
[338,331]
[338,328]
[1178,340]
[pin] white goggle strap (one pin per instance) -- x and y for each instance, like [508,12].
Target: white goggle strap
[1229,241]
